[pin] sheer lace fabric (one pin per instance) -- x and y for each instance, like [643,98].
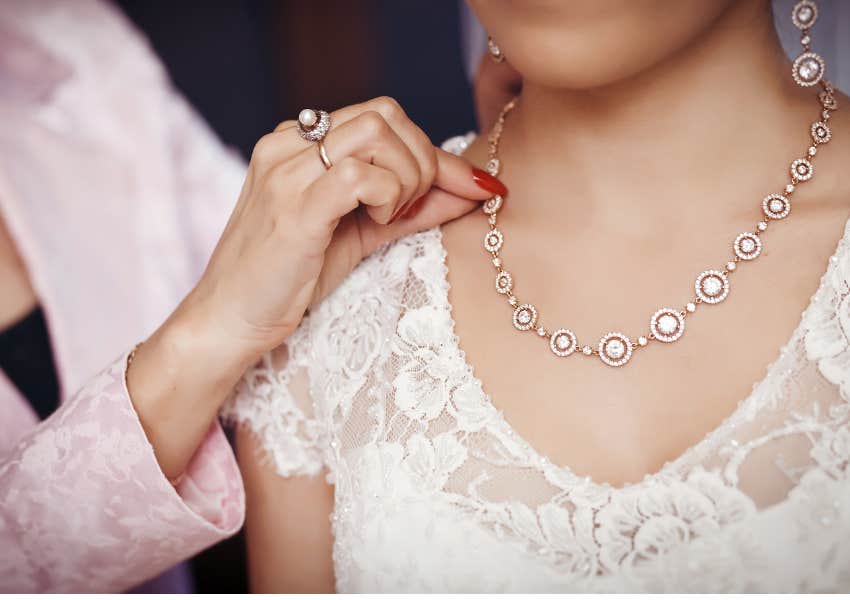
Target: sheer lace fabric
[435,492]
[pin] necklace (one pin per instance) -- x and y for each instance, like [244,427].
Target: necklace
[712,286]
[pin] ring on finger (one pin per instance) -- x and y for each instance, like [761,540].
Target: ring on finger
[313,125]
[323,154]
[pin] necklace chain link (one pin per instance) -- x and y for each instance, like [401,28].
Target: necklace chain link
[711,286]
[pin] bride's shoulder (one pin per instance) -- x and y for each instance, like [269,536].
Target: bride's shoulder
[391,276]
[410,270]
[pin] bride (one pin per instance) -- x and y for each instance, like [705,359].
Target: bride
[555,393]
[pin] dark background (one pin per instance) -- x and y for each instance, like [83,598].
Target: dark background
[246,65]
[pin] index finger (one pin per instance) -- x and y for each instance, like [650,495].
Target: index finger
[458,176]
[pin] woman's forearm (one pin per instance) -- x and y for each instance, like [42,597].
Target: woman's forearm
[105,517]
[294,234]
[177,381]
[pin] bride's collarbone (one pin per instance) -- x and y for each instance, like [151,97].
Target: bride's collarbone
[617,424]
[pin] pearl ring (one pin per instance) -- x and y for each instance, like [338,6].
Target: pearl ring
[313,126]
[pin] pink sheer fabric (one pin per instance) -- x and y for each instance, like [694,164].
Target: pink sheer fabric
[85,508]
[114,192]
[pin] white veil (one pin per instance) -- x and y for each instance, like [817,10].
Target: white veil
[830,37]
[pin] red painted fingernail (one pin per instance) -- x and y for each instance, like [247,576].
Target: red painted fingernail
[398,213]
[485,181]
[414,208]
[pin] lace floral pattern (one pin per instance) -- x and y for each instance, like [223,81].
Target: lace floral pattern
[58,533]
[433,487]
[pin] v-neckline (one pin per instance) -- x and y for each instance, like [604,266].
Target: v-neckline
[670,469]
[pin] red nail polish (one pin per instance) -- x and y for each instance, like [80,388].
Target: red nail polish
[399,211]
[485,181]
[414,208]
[395,217]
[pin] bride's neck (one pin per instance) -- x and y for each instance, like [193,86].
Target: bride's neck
[721,110]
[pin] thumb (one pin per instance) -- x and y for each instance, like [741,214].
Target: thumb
[457,176]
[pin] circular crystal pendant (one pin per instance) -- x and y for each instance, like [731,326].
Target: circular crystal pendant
[493,240]
[802,169]
[563,342]
[827,100]
[776,206]
[667,325]
[525,317]
[821,133]
[747,246]
[808,69]
[804,14]
[711,286]
[504,282]
[615,349]
[492,205]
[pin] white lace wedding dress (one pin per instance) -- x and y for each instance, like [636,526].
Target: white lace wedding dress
[434,491]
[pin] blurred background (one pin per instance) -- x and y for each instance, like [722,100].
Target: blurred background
[246,66]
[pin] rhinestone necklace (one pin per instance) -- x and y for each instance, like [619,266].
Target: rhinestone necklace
[711,286]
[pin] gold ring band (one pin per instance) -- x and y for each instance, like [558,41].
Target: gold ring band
[323,154]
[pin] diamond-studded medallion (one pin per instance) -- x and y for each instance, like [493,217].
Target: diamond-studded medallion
[562,342]
[492,206]
[525,317]
[827,100]
[667,325]
[615,349]
[504,282]
[747,246]
[493,240]
[808,69]
[804,14]
[776,206]
[712,286]
[821,133]
[802,169]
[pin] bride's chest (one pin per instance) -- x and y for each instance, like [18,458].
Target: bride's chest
[617,424]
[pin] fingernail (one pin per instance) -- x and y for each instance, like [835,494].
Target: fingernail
[414,208]
[485,181]
[398,213]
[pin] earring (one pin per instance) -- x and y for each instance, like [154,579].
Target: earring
[494,50]
[809,67]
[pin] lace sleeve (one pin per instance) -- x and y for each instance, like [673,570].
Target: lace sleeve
[273,400]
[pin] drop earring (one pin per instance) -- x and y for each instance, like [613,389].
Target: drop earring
[809,67]
[494,50]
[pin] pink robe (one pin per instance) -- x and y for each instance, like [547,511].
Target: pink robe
[114,192]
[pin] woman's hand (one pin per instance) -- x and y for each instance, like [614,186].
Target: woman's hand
[299,229]
[295,233]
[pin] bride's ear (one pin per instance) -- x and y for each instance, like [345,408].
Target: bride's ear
[495,84]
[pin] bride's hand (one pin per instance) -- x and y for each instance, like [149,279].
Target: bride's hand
[299,229]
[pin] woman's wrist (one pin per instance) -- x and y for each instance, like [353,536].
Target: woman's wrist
[196,334]
[179,378]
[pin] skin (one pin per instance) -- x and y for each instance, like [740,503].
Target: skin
[297,230]
[635,155]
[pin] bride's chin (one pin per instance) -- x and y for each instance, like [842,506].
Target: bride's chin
[585,44]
